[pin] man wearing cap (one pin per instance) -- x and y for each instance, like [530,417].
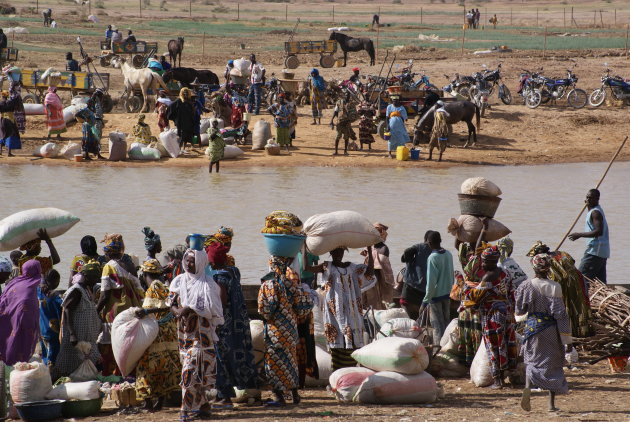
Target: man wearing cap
[355,76]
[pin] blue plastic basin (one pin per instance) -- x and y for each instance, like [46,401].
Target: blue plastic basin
[285,245]
[38,411]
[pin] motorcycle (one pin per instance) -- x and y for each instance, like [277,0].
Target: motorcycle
[618,87]
[493,77]
[271,89]
[460,85]
[481,92]
[555,89]
[529,87]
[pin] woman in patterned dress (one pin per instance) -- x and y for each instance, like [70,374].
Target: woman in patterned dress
[159,369]
[281,302]
[195,300]
[546,332]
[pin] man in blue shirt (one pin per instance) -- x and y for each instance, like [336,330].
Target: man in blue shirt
[415,286]
[440,276]
[593,264]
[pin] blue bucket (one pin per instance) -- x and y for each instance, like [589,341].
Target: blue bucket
[285,245]
[196,241]
[38,411]
[414,154]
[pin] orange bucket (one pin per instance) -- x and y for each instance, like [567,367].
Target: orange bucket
[78,158]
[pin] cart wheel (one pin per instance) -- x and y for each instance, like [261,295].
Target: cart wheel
[381,128]
[327,61]
[30,99]
[106,61]
[133,104]
[291,62]
[137,61]
[108,103]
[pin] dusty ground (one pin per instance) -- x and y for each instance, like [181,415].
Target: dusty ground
[595,395]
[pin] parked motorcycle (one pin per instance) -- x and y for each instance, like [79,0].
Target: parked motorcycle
[555,89]
[618,87]
[459,85]
[529,86]
[493,77]
[481,92]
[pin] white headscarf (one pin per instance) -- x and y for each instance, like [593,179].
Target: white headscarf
[198,291]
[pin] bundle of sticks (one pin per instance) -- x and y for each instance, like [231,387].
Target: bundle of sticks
[611,323]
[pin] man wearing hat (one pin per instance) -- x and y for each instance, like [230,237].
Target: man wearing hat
[355,76]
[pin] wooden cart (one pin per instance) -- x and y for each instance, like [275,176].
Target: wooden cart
[325,49]
[8,54]
[140,52]
[78,83]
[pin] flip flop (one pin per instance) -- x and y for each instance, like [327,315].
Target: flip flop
[525,400]
[223,406]
[274,403]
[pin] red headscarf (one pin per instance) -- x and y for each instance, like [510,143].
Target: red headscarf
[217,254]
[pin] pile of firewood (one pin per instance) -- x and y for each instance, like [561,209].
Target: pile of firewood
[611,323]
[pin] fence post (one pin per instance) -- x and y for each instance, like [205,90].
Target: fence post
[333,14]
[190,8]
[463,37]
[510,16]
[421,16]
[537,17]
[594,18]
[545,46]
[286,12]
[615,17]
[627,31]
[378,36]
[140,7]
[564,17]
[238,11]
[203,48]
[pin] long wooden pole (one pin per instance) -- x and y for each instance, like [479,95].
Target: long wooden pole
[140,7]
[627,32]
[564,17]
[203,48]
[545,46]
[190,8]
[238,11]
[421,16]
[596,187]
[378,36]
[463,37]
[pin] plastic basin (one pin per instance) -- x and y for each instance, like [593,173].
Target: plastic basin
[36,411]
[479,205]
[81,408]
[285,245]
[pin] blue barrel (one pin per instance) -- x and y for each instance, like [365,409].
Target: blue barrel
[196,241]
[414,154]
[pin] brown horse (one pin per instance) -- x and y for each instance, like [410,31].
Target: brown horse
[175,48]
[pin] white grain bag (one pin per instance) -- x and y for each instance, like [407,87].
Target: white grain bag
[70,150]
[468,227]
[399,327]
[117,146]
[203,140]
[87,370]
[403,355]
[480,186]
[249,395]
[324,364]
[257,328]
[480,372]
[260,134]
[345,382]
[394,388]
[34,109]
[232,151]
[170,140]
[29,382]
[22,227]
[383,316]
[131,337]
[49,150]
[88,390]
[326,232]
[446,362]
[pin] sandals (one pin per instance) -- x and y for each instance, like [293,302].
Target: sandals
[274,403]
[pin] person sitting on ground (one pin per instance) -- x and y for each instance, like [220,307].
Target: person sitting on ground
[33,248]
[49,317]
[165,64]
[547,333]
[142,131]
[216,144]
[130,37]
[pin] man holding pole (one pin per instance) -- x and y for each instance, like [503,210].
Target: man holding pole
[593,264]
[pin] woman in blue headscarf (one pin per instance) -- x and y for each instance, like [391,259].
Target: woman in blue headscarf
[318,89]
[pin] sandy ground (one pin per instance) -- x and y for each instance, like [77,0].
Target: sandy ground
[595,395]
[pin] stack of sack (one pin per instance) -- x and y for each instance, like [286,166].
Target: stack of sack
[479,198]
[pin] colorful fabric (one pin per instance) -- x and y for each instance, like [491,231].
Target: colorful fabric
[49,324]
[491,254]
[216,144]
[54,113]
[398,132]
[159,368]
[537,322]
[541,262]
[344,130]
[366,128]
[151,266]
[44,261]
[469,324]
[342,358]
[86,325]
[317,90]
[235,359]
[19,315]
[151,239]
[283,136]
[505,246]
[281,115]
[142,133]
[161,108]
[113,243]
[126,290]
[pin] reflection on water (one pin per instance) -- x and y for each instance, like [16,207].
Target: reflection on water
[539,202]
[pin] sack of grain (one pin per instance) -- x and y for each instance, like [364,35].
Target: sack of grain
[131,337]
[139,151]
[383,316]
[22,227]
[232,151]
[468,227]
[117,146]
[324,364]
[403,355]
[49,150]
[480,373]
[480,186]
[88,390]
[257,328]
[260,134]
[399,327]
[29,382]
[345,382]
[70,150]
[326,232]
[446,362]
[393,388]
[170,140]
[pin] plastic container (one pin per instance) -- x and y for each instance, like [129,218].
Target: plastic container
[387,136]
[479,205]
[78,158]
[394,90]
[414,154]
[81,408]
[247,117]
[37,411]
[285,245]
[196,241]
[402,153]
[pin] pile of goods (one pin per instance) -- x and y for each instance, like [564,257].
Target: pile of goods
[479,199]
[282,222]
[611,324]
[283,234]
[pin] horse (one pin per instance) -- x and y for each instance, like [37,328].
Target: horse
[348,43]
[459,111]
[143,79]
[175,48]
[47,15]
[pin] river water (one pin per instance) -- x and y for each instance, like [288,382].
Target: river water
[539,203]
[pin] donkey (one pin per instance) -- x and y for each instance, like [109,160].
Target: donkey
[143,79]
[175,48]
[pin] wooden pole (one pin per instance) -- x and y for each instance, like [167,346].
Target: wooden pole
[596,187]
[378,36]
[140,7]
[545,46]
[601,18]
[37,6]
[594,18]
[615,17]
[564,17]
[238,11]
[333,14]
[421,16]
[572,19]
[463,37]
[190,8]
[203,48]
[536,16]
[627,31]
[510,16]
[286,12]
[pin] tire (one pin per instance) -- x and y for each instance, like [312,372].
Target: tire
[381,127]
[327,61]
[533,98]
[291,62]
[464,92]
[133,104]
[106,61]
[137,61]
[107,103]
[30,99]
[577,98]
[597,97]
[482,109]
[506,98]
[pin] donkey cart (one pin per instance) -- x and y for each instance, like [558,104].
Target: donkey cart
[326,50]
[139,52]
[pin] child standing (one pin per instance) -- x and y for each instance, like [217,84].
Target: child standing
[49,317]
[216,145]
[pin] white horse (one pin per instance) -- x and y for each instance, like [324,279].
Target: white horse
[143,79]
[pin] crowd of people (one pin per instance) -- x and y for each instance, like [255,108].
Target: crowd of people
[194,292]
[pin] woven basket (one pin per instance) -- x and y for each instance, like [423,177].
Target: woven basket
[479,205]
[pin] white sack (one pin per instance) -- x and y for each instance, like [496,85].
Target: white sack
[394,388]
[70,150]
[204,140]
[170,140]
[232,151]
[345,382]
[257,328]
[260,134]
[131,337]
[480,186]
[34,109]
[117,146]
[29,382]
[446,362]
[48,150]
[403,355]
[480,372]
[88,390]
[324,364]
[385,315]
[22,227]
[399,327]
[468,227]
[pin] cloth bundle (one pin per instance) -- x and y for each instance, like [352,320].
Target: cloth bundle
[282,222]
